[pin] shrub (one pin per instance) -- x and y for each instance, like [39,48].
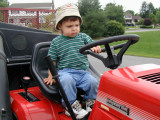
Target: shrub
[140,22]
[114,28]
[144,26]
[147,21]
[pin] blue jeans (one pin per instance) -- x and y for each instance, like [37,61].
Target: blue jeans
[71,79]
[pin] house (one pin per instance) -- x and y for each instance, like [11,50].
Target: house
[131,20]
[26,13]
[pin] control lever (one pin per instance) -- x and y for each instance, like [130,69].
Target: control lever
[26,80]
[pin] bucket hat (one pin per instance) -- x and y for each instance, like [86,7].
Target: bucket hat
[66,10]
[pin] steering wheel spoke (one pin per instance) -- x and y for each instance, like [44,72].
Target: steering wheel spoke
[96,55]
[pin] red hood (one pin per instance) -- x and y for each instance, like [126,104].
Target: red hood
[123,86]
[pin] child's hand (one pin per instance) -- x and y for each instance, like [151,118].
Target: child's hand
[49,81]
[96,49]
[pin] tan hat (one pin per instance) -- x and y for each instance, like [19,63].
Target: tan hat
[66,10]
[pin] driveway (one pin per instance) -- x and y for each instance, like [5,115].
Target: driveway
[141,30]
[126,61]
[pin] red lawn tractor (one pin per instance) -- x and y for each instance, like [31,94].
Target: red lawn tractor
[123,94]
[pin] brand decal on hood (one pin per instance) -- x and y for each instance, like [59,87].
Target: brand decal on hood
[118,106]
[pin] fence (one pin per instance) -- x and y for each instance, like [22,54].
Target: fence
[35,18]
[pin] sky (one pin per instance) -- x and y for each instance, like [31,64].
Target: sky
[134,5]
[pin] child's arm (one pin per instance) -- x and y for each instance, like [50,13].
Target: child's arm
[96,49]
[50,80]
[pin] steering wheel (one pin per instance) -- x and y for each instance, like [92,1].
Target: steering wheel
[112,60]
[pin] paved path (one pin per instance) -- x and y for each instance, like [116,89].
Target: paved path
[126,61]
[142,30]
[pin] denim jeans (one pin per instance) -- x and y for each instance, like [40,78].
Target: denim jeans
[71,79]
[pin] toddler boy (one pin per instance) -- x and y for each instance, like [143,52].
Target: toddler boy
[71,65]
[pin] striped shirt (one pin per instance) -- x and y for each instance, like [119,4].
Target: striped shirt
[65,51]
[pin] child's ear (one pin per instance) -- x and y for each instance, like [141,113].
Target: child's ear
[59,26]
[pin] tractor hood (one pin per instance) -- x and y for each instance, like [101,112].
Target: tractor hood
[132,92]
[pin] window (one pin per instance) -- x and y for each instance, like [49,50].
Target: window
[14,12]
[29,12]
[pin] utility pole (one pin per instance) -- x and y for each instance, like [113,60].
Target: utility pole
[52,4]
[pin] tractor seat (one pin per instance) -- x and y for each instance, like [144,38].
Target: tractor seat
[39,70]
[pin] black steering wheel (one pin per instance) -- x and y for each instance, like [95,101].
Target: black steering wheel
[112,61]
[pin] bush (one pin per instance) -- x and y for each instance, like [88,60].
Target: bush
[114,28]
[144,26]
[147,21]
[140,22]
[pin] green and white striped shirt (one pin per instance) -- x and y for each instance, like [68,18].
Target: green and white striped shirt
[65,51]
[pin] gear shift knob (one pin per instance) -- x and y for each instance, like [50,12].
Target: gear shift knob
[26,81]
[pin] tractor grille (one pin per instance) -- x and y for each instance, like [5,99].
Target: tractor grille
[155,77]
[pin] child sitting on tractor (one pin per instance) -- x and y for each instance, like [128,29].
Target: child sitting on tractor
[71,65]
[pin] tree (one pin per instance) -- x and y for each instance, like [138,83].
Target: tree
[143,10]
[157,16]
[147,10]
[152,17]
[93,17]
[151,8]
[114,12]
[94,24]
[130,11]
[3,3]
[86,6]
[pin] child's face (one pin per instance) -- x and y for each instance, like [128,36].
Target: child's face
[70,28]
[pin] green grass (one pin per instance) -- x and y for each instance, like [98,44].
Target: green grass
[147,46]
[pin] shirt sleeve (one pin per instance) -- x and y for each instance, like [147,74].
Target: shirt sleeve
[87,39]
[52,51]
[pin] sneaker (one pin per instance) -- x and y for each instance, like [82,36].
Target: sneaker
[89,105]
[77,109]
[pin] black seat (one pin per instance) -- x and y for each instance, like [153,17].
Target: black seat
[39,71]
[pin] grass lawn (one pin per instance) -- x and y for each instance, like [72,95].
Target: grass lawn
[147,46]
